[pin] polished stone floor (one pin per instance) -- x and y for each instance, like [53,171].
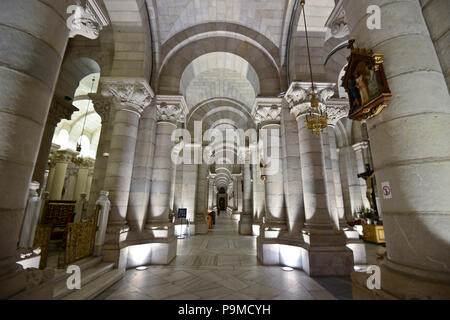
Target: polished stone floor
[223,265]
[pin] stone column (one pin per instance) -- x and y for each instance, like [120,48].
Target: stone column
[239,194]
[72,171]
[350,182]
[329,177]
[201,226]
[51,173]
[326,246]
[82,177]
[59,109]
[131,97]
[359,149]
[33,40]
[246,221]
[103,107]
[336,110]
[62,159]
[269,117]
[210,192]
[89,182]
[170,110]
[409,142]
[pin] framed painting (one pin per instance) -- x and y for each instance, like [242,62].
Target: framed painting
[365,83]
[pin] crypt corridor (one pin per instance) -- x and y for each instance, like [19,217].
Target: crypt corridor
[320,129]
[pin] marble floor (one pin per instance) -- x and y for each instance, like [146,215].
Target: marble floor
[222,265]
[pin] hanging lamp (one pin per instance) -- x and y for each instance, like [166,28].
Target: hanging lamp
[316,120]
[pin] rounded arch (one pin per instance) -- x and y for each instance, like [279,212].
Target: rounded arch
[174,66]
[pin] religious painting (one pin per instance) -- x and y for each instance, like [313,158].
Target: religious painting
[366,84]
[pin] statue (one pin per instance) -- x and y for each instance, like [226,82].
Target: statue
[369,176]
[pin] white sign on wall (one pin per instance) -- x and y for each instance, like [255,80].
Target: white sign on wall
[386,189]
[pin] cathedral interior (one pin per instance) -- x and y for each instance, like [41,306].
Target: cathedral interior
[224,149]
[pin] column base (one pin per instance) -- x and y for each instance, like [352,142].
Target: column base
[355,244]
[151,252]
[236,216]
[201,228]
[400,282]
[326,259]
[114,250]
[246,225]
[161,229]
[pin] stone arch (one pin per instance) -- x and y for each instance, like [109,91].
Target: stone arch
[175,64]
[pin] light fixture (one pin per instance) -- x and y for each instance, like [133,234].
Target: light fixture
[287,269]
[85,117]
[317,120]
[141,268]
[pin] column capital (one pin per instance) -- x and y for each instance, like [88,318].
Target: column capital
[102,105]
[60,109]
[132,94]
[64,156]
[298,96]
[171,108]
[84,162]
[336,110]
[360,145]
[87,20]
[267,110]
[336,24]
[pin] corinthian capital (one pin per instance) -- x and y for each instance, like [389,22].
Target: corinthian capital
[337,23]
[60,109]
[171,108]
[130,94]
[299,96]
[87,20]
[267,110]
[102,105]
[336,110]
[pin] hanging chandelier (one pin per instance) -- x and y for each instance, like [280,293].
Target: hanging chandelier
[316,120]
[85,117]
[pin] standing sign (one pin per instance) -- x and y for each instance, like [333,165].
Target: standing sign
[182,214]
[386,188]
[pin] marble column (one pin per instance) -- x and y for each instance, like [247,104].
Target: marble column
[62,159]
[170,110]
[246,221]
[33,39]
[326,246]
[410,149]
[59,109]
[130,98]
[201,225]
[239,194]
